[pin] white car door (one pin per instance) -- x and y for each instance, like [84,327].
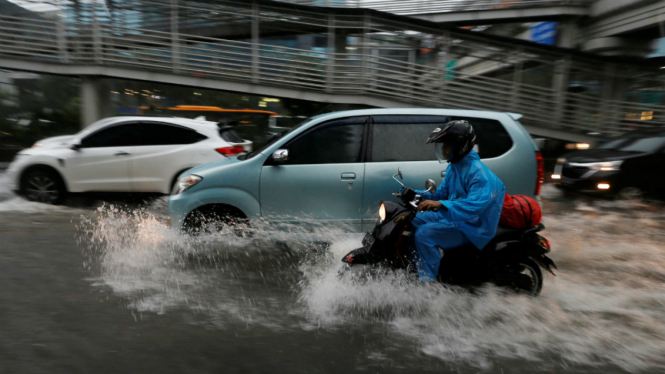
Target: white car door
[102,161]
[164,150]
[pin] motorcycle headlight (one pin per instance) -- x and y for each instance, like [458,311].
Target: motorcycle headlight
[185,183]
[382,212]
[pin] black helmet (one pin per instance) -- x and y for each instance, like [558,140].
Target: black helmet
[459,135]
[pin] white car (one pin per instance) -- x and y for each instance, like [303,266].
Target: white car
[120,154]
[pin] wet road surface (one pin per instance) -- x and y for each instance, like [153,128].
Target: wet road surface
[88,289]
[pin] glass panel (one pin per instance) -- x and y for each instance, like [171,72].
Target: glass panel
[402,138]
[492,139]
[116,136]
[334,143]
[163,134]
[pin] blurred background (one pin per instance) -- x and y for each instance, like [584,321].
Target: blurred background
[579,71]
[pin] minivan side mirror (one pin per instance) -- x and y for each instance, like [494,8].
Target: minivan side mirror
[75,146]
[280,155]
[430,186]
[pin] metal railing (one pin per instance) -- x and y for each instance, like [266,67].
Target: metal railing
[335,73]
[413,7]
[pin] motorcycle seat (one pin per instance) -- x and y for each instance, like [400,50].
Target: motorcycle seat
[503,233]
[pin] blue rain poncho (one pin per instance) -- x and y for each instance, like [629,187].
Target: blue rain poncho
[474,196]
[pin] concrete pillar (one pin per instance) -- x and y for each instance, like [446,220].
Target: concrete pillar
[560,86]
[567,33]
[517,57]
[95,100]
[614,88]
[332,39]
[341,37]
[256,37]
[367,73]
[175,36]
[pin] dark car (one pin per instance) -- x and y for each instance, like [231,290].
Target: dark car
[631,165]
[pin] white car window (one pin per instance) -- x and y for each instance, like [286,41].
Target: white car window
[114,136]
[154,133]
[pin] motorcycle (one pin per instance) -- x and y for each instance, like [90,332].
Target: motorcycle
[513,259]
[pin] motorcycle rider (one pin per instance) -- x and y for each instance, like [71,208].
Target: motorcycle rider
[469,200]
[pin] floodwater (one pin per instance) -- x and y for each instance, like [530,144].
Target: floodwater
[276,291]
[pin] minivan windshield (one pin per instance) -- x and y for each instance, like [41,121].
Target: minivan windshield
[645,144]
[273,139]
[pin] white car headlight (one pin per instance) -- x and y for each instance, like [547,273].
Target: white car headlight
[605,166]
[185,183]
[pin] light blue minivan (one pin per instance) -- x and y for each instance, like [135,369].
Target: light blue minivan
[338,167]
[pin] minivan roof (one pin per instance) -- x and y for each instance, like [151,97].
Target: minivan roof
[419,111]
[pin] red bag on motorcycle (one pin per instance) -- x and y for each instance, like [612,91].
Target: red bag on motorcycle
[520,212]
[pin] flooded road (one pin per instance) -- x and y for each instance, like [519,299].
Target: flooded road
[112,288]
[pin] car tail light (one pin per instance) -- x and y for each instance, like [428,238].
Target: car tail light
[540,174]
[230,151]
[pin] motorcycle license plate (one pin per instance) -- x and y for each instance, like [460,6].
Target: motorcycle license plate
[368,240]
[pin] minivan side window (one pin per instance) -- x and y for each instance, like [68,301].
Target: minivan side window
[492,139]
[335,142]
[402,138]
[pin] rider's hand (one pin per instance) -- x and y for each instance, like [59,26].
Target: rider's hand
[429,205]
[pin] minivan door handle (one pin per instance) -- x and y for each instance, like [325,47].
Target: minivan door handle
[121,153]
[346,176]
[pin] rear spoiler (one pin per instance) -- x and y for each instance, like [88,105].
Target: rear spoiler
[225,125]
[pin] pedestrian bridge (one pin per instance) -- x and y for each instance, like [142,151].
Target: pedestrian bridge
[489,73]
[467,12]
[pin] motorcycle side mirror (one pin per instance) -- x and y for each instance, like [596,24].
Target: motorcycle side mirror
[430,186]
[399,173]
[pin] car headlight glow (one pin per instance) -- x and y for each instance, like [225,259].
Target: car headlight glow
[382,212]
[605,166]
[185,183]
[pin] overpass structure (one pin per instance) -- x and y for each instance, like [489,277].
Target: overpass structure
[366,57]
[467,12]
[609,27]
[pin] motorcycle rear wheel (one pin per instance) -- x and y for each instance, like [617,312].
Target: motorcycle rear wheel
[529,268]
[524,277]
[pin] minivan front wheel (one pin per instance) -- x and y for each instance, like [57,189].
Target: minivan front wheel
[215,219]
[44,186]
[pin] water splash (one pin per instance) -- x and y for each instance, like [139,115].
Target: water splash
[137,255]
[606,306]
